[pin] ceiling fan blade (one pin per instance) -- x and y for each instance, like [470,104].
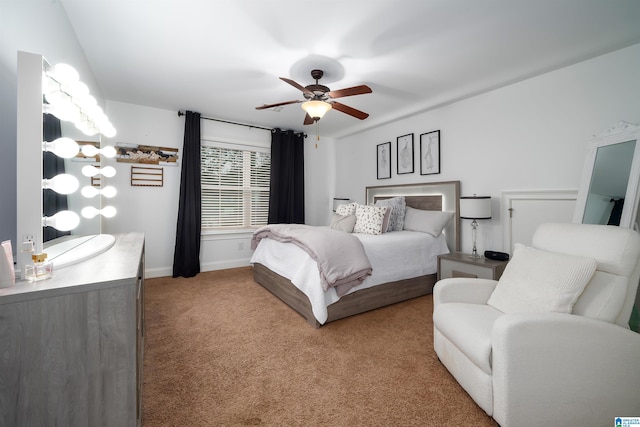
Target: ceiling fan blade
[349,110]
[297,86]
[350,91]
[265,106]
[308,120]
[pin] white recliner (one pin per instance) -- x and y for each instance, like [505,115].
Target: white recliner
[527,366]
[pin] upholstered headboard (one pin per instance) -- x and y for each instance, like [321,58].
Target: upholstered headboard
[441,196]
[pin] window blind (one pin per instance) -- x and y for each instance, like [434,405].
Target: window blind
[235,187]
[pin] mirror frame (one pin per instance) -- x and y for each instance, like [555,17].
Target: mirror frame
[29,168]
[621,132]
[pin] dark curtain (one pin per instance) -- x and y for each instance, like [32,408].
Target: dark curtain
[52,165]
[186,256]
[616,212]
[286,193]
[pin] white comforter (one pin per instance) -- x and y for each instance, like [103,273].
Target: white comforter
[394,256]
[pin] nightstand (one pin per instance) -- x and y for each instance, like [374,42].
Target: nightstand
[458,264]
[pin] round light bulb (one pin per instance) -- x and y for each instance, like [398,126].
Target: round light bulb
[109,131]
[89,212]
[65,74]
[79,90]
[108,211]
[109,152]
[89,150]
[62,147]
[109,191]
[90,171]
[63,221]
[89,192]
[108,171]
[62,184]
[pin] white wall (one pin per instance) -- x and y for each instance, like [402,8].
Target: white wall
[154,210]
[531,135]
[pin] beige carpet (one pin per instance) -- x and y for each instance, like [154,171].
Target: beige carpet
[220,350]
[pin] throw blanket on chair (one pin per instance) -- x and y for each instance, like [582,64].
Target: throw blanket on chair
[342,261]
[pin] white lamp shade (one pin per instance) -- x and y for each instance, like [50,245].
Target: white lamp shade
[475,207]
[316,109]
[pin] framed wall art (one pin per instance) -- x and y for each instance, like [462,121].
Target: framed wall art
[405,154]
[384,160]
[430,153]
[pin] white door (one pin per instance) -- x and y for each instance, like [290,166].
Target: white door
[524,210]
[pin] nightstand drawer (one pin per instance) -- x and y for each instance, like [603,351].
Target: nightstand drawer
[458,264]
[449,268]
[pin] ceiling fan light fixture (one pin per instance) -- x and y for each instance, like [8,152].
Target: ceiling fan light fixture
[316,109]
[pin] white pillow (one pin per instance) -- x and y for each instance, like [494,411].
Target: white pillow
[349,209]
[370,219]
[432,222]
[539,281]
[397,205]
[343,222]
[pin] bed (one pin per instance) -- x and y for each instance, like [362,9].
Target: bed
[381,288]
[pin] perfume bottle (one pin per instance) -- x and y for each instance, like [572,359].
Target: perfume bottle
[40,269]
[26,258]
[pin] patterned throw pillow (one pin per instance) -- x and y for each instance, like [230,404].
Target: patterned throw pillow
[349,209]
[398,205]
[370,219]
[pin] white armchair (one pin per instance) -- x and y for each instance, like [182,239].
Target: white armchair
[527,366]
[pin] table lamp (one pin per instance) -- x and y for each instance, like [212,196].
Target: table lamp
[475,208]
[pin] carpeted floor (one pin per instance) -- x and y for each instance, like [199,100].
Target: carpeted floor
[220,350]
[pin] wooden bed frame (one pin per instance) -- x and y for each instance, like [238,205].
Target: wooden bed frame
[443,196]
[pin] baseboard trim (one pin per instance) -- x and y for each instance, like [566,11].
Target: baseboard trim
[151,273]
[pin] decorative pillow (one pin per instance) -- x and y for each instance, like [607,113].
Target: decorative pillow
[370,219]
[432,222]
[343,222]
[540,281]
[387,219]
[396,221]
[349,209]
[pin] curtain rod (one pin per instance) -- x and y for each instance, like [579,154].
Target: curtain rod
[180,114]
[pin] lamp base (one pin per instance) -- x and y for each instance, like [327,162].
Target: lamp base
[475,255]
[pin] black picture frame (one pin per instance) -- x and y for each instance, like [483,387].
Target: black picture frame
[404,154]
[383,160]
[430,153]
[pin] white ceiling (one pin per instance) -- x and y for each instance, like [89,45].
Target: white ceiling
[223,58]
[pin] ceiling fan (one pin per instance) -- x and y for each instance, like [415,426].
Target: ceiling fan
[319,99]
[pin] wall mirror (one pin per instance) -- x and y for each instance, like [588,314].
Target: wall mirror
[608,191]
[41,119]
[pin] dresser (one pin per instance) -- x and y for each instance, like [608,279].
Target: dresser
[71,347]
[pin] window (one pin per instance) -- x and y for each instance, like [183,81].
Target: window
[235,186]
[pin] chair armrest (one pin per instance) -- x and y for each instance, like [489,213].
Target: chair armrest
[549,367]
[463,289]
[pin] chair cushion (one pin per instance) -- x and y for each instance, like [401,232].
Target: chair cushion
[541,281]
[603,297]
[616,249]
[469,327]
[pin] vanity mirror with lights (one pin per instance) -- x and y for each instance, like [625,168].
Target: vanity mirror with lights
[611,179]
[62,192]
[92,310]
